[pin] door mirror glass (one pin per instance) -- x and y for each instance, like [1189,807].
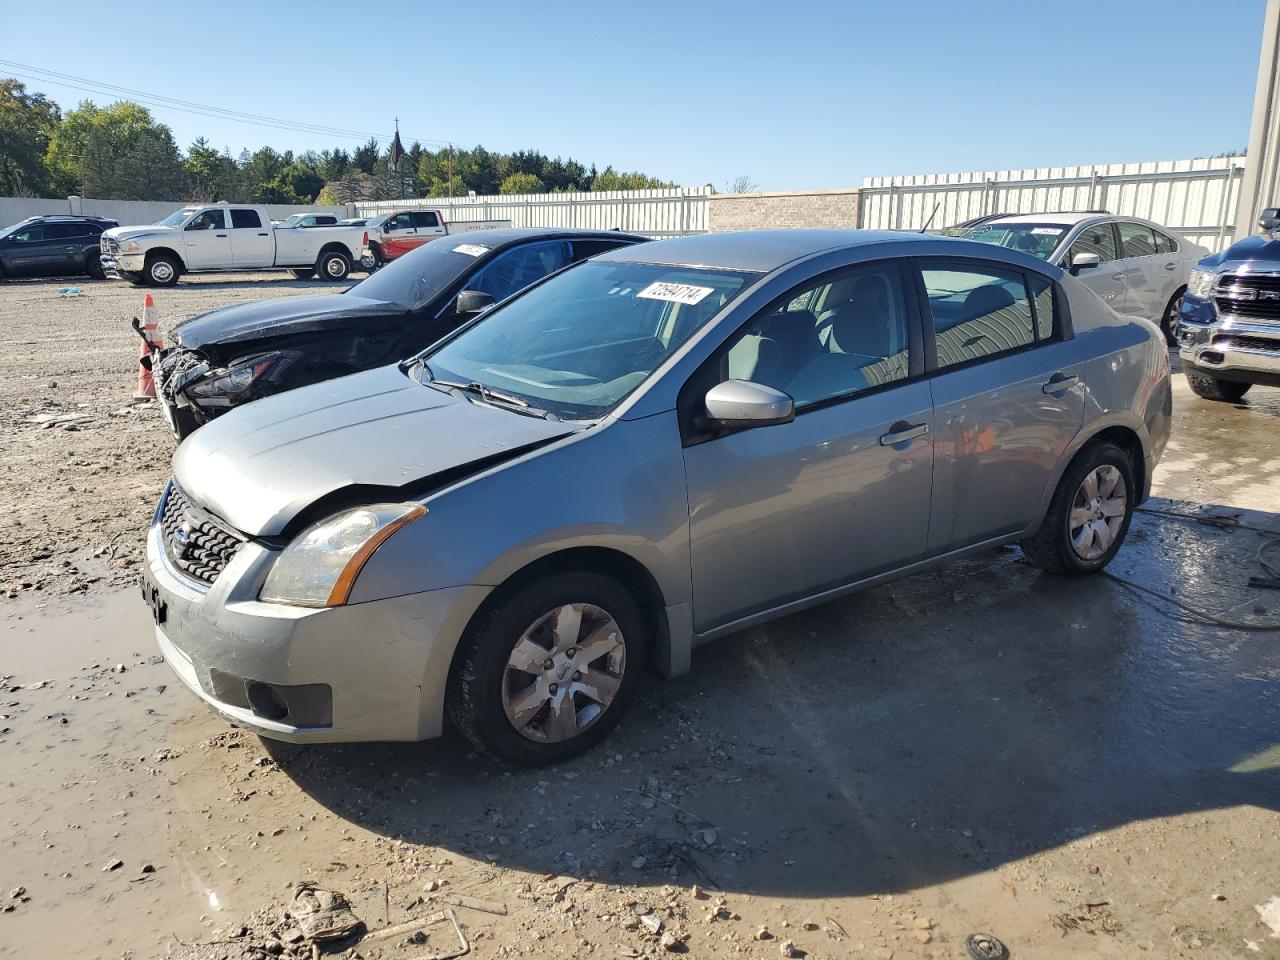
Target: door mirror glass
[1084,261]
[472,302]
[741,403]
[1269,219]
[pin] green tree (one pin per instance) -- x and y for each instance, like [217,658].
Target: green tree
[326,198]
[212,175]
[611,179]
[522,183]
[366,155]
[27,122]
[118,151]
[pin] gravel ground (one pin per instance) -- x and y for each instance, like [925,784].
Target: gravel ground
[68,372]
[1068,765]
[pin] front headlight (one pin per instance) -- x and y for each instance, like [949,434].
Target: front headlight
[130,246]
[1200,282]
[320,567]
[242,380]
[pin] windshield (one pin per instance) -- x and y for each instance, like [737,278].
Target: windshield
[579,343]
[422,274]
[1037,239]
[175,218]
[290,221]
[378,221]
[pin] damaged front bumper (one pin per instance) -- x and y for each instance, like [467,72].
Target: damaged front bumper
[367,671]
[174,369]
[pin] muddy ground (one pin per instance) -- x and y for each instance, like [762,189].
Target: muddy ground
[1078,768]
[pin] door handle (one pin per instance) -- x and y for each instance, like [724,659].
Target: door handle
[220,235]
[1059,383]
[903,432]
[1117,276]
[264,234]
[1171,266]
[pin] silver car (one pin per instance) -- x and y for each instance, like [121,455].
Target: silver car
[663,445]
[1136,266]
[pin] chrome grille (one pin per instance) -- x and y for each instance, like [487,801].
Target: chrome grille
[1247,343]
[194,541]
[108,245]
[1248,295]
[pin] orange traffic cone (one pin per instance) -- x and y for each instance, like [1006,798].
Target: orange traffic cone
[150,341]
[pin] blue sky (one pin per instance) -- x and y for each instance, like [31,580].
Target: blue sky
[796,95]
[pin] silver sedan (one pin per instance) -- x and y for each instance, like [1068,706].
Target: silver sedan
[661,446]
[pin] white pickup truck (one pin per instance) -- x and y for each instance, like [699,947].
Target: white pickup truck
[223,236]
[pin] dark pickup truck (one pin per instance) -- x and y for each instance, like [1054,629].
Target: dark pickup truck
[1229,319]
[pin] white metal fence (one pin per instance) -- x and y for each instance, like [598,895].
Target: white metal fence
[655,213]
[1195,198]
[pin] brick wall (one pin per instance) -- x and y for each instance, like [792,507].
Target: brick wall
[761,211]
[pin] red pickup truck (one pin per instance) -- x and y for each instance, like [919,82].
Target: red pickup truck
[392,235]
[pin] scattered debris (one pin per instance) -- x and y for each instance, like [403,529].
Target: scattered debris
[983,946]
[788,949]
[652,922]
[1089,917]
[322,914]
[113,864]
[418,926]
[1269,914]
[475,903]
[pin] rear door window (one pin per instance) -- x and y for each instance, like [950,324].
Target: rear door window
[515,269]
[977,312]
[1165,243]
[1098,238]
[424,218]
[245,219]
[1136,240]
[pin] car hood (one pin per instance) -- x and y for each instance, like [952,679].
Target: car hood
[1261,252]
[120,234]
[256,319]
[260,465]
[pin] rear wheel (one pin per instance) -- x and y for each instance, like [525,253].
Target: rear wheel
[333,265]
[546,673]
[93,266]
[1089,514]
[1169,322]
[306,273]
[133,276]
[1211,388]
[162,270]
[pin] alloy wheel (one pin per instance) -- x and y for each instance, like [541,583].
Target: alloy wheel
[1097,512]
[563,673]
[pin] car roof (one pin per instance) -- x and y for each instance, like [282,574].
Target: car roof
[503,236]
[761,251]
[73,217]
[1067,219]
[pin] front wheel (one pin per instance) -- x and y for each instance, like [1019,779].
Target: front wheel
[93,267]
[333,265]
[161,271]
[546,673]
[1211,388]
[1089,514]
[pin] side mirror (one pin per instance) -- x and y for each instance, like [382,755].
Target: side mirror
[1084,261]
[738,404]
[472,301]
[1269,219]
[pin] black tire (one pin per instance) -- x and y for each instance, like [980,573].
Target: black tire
[306,273]
[1169,322]
[473,700]
[161,270]
[133,277]
[333,265]
[93,266]
[184,423]
[1050,548]
[1211,388]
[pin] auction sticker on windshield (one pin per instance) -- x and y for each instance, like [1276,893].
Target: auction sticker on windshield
[471,249]
[674,292]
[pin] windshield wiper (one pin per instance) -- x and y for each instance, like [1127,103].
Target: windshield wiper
[486,393]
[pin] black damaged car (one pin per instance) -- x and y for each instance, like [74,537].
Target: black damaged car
[233,355]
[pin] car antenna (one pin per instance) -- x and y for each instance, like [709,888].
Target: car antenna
[931,216]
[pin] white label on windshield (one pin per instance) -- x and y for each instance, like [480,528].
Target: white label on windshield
[674,292]
[471,249]
[1051,231]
